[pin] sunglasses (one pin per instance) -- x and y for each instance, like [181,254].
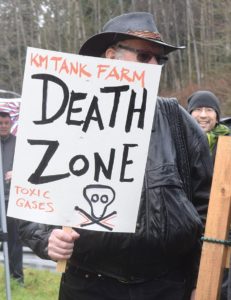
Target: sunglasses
[144,56]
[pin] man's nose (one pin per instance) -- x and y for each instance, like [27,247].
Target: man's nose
[153,61]
[203,113]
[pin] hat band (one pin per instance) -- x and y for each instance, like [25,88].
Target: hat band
[146,34]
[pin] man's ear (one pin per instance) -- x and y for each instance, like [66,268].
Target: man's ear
[110,53]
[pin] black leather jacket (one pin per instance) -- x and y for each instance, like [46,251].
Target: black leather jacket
[168,227]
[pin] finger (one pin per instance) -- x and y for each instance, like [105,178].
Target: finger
[60,250]
[57,253]
[61,244]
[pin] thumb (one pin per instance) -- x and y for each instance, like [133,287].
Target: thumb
[75,235]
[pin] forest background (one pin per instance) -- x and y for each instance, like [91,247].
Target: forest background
[203,26]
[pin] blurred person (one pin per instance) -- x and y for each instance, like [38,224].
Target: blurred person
[204,107]
[160,260]
[8,141]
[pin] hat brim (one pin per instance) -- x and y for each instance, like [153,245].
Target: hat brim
[97,44]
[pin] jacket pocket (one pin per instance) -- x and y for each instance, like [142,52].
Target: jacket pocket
[171,215]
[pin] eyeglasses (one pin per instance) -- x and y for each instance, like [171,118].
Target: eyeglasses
[144,56]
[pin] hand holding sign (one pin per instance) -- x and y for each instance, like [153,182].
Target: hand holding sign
[61,244]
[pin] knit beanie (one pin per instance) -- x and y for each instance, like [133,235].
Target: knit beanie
[204,99]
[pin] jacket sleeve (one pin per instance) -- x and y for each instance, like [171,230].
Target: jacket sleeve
[201,166]
[201,169]
[35,236]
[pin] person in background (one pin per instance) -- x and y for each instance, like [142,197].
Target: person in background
[204,107]
[14,243]
[160,260]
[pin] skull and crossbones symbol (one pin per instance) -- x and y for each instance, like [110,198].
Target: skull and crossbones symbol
[99,198]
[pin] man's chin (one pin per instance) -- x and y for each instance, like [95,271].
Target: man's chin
[205,129]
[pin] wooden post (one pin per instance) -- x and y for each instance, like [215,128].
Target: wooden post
[213,256]
[61,264]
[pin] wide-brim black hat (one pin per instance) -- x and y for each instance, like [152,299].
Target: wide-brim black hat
[139,25]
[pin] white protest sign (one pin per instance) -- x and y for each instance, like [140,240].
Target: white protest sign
[82,143]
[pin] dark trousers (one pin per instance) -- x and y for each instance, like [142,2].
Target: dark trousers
[80,286]
[14,249]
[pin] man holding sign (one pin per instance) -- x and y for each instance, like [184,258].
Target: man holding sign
[160,260]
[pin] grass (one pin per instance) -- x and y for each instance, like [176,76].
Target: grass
[38,285]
